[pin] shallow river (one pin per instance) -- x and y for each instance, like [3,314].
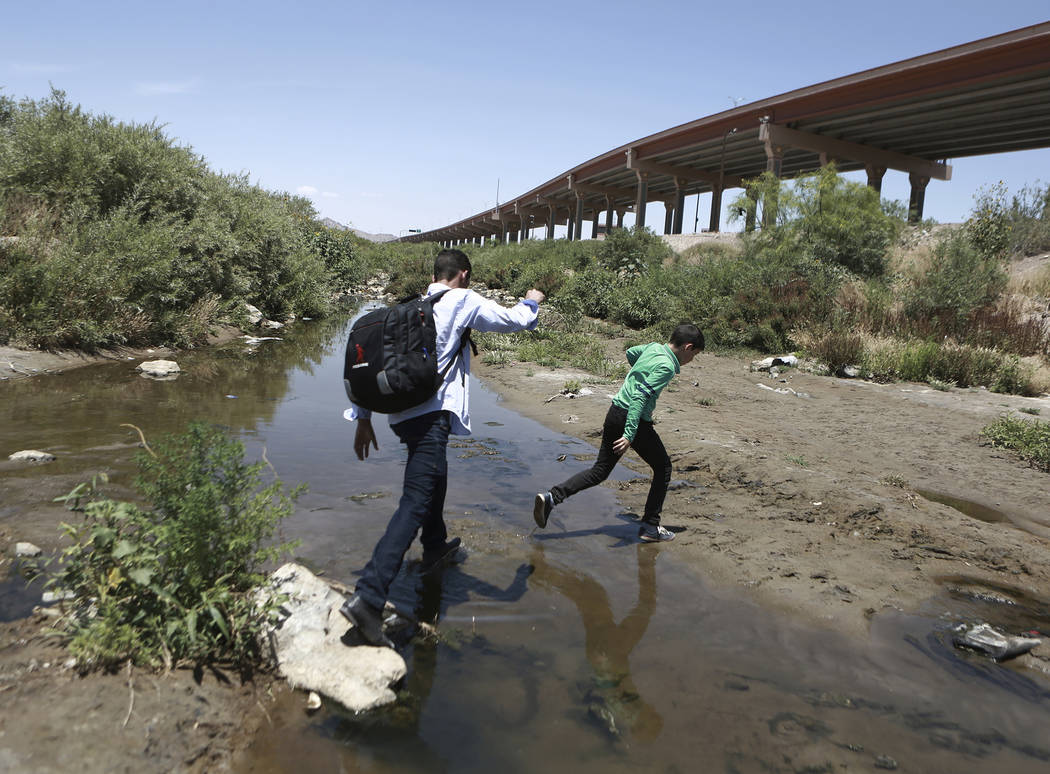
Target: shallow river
[571,649]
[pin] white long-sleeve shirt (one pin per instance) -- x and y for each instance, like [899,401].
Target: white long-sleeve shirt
[454,312]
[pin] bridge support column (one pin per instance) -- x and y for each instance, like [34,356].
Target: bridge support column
[668,217]
[594,224]
[577,219]
[679,206]
[619,218]
[640,198]
[774,163]
[608,215]
[875,177]
[918,197]
[716,209]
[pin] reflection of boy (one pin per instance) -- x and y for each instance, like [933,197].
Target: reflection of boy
[629,423]
[614,699]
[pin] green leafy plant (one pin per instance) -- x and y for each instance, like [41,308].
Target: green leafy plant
[1029,438]
[174,581]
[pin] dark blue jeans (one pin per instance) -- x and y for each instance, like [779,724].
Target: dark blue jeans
[421,505]
[649,447]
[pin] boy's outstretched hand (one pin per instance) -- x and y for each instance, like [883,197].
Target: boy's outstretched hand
[535,295]
[621,444]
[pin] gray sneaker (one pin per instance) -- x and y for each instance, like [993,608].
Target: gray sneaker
[542,507]
[654,533]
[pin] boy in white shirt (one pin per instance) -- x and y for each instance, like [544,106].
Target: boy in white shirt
[425,429]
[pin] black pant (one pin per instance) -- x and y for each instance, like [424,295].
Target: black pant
[421,506]
[649,447]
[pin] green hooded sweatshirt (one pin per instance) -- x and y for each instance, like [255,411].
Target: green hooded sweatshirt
[652,368]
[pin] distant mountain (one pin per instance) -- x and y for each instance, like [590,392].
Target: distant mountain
[363,234]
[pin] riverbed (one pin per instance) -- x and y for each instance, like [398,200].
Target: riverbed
[574,648]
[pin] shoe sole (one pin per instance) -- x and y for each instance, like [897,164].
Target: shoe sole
[647,539]
[539,511]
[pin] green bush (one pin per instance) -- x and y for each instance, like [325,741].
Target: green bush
[125,238]
[988,227]
[174,582]
[630,253]
[1029,438]
[827,219]
[958,282]
[1029,216]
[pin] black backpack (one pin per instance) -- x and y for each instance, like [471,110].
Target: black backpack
[391,356]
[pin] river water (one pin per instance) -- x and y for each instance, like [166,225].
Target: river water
[571,649]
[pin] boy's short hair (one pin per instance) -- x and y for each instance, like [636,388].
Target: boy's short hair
[449,263]
[687,333]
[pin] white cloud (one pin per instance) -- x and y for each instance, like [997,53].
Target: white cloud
[330,194]
[306,190]
[152,88]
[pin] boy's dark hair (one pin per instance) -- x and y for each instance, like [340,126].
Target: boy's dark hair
[449,263]
[687,333]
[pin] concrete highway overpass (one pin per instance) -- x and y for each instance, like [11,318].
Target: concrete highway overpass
[912,116]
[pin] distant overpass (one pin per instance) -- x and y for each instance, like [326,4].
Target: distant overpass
[988,96]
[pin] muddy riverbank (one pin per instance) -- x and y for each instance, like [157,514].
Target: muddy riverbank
[809,497]
[804,502]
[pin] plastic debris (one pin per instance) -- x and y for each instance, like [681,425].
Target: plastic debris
[999,646]
[32,456]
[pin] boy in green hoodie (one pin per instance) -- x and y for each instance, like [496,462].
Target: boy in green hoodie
[629,423]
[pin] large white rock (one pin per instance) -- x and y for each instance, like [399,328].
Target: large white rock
[159,369]
[307,646]
[27,550]
[254,315]
[31,455]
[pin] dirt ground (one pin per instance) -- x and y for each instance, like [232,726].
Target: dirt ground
[805,494]
[808,496]
[53,719]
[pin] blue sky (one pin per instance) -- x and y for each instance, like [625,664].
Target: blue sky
[397,115]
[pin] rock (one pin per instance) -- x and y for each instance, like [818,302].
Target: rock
[271,324]
[306,643]
[984,638]
[51,597]
[254,315]
[31,456]
[159,369]
[27,550]
[848,372]
[789,361]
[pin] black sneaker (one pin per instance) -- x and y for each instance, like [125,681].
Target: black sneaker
[367,619]
[541,509]
[654,533]
[435,557]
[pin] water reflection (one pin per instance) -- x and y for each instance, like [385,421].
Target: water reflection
[612,699]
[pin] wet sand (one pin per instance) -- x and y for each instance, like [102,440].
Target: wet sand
[809,501]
